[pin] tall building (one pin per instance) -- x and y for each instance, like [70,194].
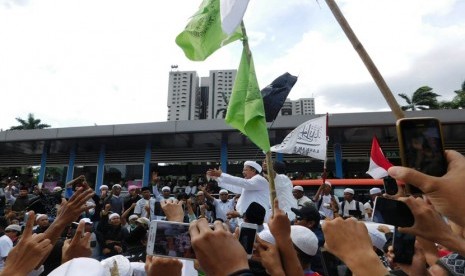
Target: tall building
[183,96]
[194,98]
[304,106]
[220,89]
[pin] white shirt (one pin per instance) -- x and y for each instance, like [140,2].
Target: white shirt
[324,210]
[350,206]
[140,208]
[255,189]
[283,186]
[304,201]
[222,208]
[6,244]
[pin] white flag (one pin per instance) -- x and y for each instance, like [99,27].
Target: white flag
[308,139]
[232,12]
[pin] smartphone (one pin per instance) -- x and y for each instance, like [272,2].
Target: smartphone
[170,239]
[247,233]
[390,185]
[332,265]
[403,246]
[421,147]
[393,212]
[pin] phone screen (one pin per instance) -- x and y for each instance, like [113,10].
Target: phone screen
[247,237]
[421,147]
[404,247]
[393,212]
[171,239]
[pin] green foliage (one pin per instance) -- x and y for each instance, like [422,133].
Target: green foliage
[424,98]
[29,123]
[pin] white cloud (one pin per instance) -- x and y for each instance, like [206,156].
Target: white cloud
[80,62]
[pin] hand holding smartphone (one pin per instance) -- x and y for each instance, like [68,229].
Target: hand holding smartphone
[421,147]
[170,239]
[403,246]
[247,234]
[393,212]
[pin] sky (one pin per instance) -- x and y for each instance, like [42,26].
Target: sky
[100,62]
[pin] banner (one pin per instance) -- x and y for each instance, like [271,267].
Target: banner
[308,139]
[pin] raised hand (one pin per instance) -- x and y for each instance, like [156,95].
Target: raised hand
[29,251]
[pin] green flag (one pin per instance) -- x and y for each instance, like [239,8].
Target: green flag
[245,110]
[203,34]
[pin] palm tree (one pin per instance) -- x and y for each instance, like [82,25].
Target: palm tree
[29,123]
[459,100]
[423,98]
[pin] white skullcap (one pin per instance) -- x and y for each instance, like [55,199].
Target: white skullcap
[74,267]
[328,183]
[267,236]
[298,188]
[199,193]
[123,264]
[378,239]
[116,186]
[254,165]
[166,188]
[57,189]
[349,190]
[223,191]
[133,216]
[103,187]
[86,220]
[39,216]
[112,215]
[304,239]
[143,220]
[374,191]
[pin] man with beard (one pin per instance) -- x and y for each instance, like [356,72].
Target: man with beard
[253,187]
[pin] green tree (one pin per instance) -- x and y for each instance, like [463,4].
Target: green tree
[29,123]
[423,98]
[459,99]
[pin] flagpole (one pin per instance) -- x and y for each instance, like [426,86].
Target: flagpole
[376,75]
[268,158]
[326,152]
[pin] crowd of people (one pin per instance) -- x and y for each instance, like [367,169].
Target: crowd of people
[106,233]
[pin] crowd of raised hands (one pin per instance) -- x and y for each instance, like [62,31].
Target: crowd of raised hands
[218,251]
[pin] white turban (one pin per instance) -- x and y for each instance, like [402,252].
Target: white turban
[254,165]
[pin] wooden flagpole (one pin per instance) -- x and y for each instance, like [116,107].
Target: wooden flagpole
[268,158]
[379,80]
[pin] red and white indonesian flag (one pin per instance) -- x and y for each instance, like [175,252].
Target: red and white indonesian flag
[232,12]
[308,139]
[378,163]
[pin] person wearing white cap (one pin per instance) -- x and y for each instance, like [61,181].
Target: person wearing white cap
[42,223]
[113,234]
[12,233]
[283,186]
[326,202]
[369,205]
[306,245]
[351,207]
[253,187]
[223,205]
[116,200]
[302,199]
